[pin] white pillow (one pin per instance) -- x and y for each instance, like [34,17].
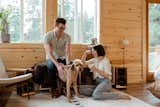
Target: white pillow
[155,88]
[3,73]
[157,74]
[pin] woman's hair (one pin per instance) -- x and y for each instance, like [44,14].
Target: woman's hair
[100,50]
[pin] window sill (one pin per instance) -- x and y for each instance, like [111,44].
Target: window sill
[19,43]
[30,45]
[26,43]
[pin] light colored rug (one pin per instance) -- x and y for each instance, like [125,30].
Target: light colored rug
[45,100]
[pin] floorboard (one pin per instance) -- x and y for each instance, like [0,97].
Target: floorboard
[139,91]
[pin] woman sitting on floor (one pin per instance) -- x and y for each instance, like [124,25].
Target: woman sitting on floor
[101,68]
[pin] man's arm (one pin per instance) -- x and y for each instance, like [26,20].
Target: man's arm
[53,59]
[68,54]
[51,56]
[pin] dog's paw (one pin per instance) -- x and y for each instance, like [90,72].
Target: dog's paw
[80,96]
[69,100]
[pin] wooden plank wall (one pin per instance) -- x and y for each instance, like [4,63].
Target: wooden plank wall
[51,14]
[124,19]
[26,55]
[21,55]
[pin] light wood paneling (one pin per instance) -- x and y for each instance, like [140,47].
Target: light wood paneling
[21,55]
[124,19]
[51,14]
[26,55]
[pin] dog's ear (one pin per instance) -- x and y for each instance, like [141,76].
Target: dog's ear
[72,67]
[81,64]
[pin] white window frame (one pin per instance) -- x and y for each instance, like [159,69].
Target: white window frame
[96,21]
[21,20]
[43,18]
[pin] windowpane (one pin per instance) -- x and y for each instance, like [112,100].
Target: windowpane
[88,20]
[69,15]
[25,20]
[81,19]
[32,27]
[59,7]
[14,17]
[154,36]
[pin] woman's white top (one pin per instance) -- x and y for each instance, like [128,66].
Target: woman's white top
[103,65]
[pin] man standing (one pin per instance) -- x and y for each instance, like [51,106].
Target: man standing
[57,48]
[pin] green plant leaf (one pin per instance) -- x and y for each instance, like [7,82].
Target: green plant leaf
[4,13]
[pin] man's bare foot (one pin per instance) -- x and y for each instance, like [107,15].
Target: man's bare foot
[125,97]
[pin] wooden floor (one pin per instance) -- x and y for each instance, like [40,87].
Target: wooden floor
[139,91]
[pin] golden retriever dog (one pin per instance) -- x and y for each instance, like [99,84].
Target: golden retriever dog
[71,76]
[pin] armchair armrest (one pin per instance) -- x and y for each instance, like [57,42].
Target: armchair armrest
[17,69]
[14,71]
[14,80]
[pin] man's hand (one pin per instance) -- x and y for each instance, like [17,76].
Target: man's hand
[60,68]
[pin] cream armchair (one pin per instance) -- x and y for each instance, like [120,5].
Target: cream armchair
[6,82]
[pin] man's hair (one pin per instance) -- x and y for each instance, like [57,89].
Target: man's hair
[100,50]
[60,20]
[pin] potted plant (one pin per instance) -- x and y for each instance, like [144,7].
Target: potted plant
[4,22]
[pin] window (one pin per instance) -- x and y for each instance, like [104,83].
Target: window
[26,23]
[154,36]
[82,19]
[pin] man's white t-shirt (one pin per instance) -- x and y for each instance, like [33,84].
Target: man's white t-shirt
[58,46]
[103,65]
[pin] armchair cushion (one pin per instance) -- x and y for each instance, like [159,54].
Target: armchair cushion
[155,88]
[3,73]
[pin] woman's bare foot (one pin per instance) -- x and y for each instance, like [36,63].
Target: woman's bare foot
[125,97]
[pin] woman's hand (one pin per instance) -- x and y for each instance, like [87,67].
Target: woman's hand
[87,52]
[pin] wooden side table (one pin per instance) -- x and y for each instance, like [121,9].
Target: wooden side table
[20,86]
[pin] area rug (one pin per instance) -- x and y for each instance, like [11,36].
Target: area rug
[45,100]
